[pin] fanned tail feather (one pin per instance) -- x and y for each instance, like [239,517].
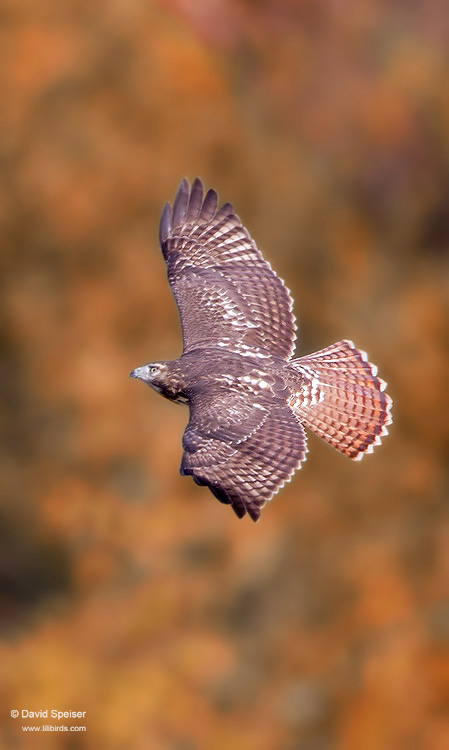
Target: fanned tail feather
[338,395]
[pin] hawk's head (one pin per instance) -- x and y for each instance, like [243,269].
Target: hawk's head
[153,374]
[162,376]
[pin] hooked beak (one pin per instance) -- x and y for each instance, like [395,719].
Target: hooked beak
[141,373]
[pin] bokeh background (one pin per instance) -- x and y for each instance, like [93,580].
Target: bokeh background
[125,590]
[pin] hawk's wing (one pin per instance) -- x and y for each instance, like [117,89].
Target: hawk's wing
[243,450]
[227,294]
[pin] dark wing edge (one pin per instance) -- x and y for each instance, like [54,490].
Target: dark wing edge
[247,474]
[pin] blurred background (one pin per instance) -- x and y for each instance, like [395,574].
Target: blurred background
[125,590]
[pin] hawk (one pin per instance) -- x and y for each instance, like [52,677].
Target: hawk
[249,398]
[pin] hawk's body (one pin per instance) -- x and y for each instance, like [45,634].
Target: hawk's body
[248,399]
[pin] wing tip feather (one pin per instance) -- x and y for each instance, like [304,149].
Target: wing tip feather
[180,204]
[195,201]
[190,205]
[209,207]
[227,209]
[165,225]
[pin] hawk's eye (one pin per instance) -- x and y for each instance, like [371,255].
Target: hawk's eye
[153,369]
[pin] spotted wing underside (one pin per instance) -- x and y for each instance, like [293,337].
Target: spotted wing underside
[226,292]
[243,450]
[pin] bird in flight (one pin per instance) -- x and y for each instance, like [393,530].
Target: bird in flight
[249,398]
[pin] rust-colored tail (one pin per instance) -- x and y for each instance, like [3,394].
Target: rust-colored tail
[341,398]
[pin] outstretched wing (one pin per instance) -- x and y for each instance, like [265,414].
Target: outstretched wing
[227,293]
[243,450]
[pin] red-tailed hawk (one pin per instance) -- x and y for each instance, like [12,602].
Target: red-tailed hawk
[249,400]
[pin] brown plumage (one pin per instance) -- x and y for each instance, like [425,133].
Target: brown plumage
[248,398]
